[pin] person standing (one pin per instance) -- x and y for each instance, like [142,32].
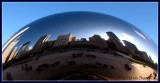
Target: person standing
[155,75]
[9,76]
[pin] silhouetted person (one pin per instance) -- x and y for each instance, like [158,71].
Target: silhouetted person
[93,56]
[30,68]
[112,67]
[105,65]
[22,67]
[144,66]
[9,77]
[155,75]
[37,58]
[149,77]
[127,67]
[26,67]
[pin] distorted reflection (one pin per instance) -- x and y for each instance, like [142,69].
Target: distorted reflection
[102,46]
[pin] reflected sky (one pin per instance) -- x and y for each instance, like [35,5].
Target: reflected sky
[85,25]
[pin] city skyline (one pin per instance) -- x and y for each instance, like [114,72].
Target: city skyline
[80,41]
[95,40]
[71,55]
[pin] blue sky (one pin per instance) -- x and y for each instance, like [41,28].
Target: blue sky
[143,15]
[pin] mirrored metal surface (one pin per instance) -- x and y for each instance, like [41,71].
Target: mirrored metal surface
[100,41]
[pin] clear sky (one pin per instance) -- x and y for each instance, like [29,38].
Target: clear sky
[143,15]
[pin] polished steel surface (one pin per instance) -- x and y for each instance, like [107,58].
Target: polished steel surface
[82,25]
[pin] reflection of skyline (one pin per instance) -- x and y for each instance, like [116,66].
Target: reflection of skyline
[146,45]
[83,25]
[13,37]
[113,43]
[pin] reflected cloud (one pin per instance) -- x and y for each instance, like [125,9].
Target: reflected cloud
[140,34]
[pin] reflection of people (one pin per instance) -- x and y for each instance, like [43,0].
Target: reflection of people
[127,67]
[149,77]
[22,67]
[144,66]
[155,75]
[26,67]
[9,77]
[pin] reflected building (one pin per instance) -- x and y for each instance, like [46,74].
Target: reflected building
[83,39]
[98,41]
[145,56]
[150,59]
[74,39]
[88,57]
[13,54]
[40,42]
[130,48]
[16,35]
[129,45]
[63,40]
[8,50]
[23,49]
[48,44]
[115,42]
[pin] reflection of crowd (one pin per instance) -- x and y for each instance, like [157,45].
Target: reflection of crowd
[80,54]
[127,67]
[26,67]
[154,75]
[44,66]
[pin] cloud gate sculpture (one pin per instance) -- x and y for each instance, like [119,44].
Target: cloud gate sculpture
[80,46]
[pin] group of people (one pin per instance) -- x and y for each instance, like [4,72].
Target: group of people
[43,66]
[9,76]
[127,67]
[150,76]
[27,68]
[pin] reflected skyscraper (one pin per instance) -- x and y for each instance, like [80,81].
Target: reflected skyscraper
[13,53]
[63,40]
[115,42]
[129,44]
[84,56]
[40,42]
[98,41]
[8,49]
[16,35]
[23,49]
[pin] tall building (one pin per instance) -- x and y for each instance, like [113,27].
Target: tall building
[16,35]
[12,54]
[80,43]
[98,41]
[40,42]
[23,49]
[150,59]
[130,48]
[115,41]
[129,44]
[9,55]
[74,39]
[83,39]
[8,49]
[48,44]
[145,56]
[63,40]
